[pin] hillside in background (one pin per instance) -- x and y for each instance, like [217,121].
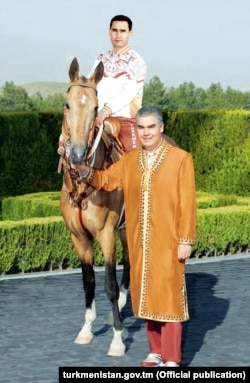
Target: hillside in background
[45,88]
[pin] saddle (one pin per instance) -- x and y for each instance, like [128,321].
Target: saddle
[110,136]
[124,131]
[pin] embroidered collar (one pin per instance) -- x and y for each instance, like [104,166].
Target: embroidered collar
[121,52]
[151,155]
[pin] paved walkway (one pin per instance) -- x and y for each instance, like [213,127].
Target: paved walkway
[41,314]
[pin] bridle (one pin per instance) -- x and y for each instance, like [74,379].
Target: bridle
[91,148]
[83,85]
[64,152]
[73,194]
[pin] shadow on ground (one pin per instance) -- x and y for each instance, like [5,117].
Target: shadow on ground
[206,312]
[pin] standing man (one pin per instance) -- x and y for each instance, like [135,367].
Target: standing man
[120,91]
[160,210]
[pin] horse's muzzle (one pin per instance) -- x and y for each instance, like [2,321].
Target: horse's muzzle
[78,154]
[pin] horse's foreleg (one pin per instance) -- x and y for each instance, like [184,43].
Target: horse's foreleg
[85,335]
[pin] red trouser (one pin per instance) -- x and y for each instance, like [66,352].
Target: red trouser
[128,133]
[164,338]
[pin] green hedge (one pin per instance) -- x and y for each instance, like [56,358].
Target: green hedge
[35,244]
[28,152]
[222,231]
[218,140]
[47,204]
[31,205]
[220,144]
[38,244]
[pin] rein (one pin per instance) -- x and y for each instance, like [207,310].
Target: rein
[96,142]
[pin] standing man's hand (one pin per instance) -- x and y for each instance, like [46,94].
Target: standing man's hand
[83,170]
[184,252]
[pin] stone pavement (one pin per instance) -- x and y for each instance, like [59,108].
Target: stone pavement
[41,314]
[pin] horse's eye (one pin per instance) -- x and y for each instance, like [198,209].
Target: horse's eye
[67,105]
[96,110]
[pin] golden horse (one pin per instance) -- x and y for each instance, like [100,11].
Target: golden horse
[92,215]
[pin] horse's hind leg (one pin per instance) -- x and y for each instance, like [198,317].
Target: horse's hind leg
[124,285]
[108,245]
[88,276]
[117,347]
[125,280]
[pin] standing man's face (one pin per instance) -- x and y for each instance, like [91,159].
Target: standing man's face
[119,35]
[149,132]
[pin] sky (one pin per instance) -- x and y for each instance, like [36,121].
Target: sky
[198,41]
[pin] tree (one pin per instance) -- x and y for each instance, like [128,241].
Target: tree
[188,97]
[53,102]
[14,98]
[214,97]
[234,98]
[185,97]
[155,93]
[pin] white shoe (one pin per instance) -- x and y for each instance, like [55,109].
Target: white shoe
[169,364]
[152,360]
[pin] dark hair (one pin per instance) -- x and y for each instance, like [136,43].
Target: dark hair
[121,18]
[148,110]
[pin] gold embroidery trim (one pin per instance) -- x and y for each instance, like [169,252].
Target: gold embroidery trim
[90,176]
[145,213]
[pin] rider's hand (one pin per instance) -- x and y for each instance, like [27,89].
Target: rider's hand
[102,115]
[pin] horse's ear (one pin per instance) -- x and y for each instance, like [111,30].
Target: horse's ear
[74,70]
[98,73]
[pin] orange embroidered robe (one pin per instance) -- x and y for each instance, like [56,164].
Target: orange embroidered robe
[160,208]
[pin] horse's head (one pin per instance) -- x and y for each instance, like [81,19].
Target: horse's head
[80,110]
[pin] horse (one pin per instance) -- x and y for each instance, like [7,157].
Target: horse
[92,215]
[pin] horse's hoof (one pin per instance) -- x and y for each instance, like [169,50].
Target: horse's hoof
[117,350]
[83,339]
